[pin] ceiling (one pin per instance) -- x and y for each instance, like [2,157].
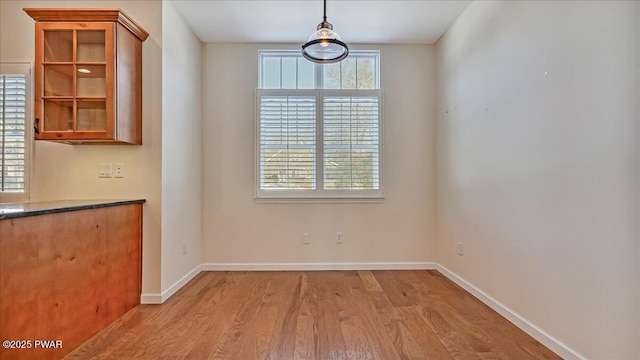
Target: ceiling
[356,21]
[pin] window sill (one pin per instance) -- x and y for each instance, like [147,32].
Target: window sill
[319,200]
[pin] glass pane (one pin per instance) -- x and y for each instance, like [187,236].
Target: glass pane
[337,170]
[271,73]
[91,46]
[366,73]
[348,73]
[364,169]
[289,72]
[58,46]
[331,74]
[91,80]
[58,115]
[306,74]
[58,80]
[91,116]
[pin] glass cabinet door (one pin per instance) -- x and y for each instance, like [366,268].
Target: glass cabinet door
[75,71]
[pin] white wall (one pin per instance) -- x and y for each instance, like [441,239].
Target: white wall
[70,172]
[236,229]
[181,150]
[538,165]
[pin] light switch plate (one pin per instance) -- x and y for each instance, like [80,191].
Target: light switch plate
[105,170]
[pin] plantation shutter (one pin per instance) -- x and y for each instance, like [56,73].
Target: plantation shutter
[351,142]
[287,142]
[12,132]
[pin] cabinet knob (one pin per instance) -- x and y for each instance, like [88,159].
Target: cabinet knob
[35,126]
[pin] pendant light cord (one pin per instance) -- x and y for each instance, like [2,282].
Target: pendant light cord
[324,18]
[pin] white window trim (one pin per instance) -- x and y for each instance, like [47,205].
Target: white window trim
[22,68]
[319,194]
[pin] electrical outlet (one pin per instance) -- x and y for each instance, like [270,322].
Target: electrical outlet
[339,238]
[460,248]
[105,170]
[306,239]
[184,248]
[118,170]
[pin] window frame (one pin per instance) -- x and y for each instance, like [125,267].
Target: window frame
[318,68]
[319,194]
[26,69]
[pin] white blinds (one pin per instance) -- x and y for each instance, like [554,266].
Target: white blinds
[319,143]
[12,132]
[287,141]
[351,143]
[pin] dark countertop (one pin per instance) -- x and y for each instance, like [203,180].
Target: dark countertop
[16,210]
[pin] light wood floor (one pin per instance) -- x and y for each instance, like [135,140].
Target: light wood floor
[315,315]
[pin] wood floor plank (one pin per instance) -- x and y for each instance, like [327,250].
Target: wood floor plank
[431,301]
[361,302]
[230,300]
[230,344]
[306,336]
[331,344]
[353,325]
[287,292]
[315,315]
[369,280]
[397,288]
[494,356]
[396,330]
[475,317]
[429,343]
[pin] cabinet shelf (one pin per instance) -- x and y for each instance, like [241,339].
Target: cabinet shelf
[88,76]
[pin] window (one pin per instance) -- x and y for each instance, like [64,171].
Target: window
[318,127]
[15,135]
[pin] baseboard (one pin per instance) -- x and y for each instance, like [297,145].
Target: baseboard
[165,295]
[547,340]
[151,298]
[317,266]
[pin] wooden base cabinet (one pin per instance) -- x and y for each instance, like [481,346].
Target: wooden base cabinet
[66,276]
[88,76]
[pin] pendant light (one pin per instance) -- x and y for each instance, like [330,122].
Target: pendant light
[325,46]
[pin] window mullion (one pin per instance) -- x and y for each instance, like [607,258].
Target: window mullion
[319,143]
[351,142]
[319,80]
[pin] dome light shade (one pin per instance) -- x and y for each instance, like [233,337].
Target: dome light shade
[325,46]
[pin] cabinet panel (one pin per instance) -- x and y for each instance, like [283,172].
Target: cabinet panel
[92,116]
[91,81]
[68,275]
[58,80]
[91,46]
[58,46]
[58,115]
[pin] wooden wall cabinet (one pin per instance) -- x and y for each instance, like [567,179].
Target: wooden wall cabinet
[88,76]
